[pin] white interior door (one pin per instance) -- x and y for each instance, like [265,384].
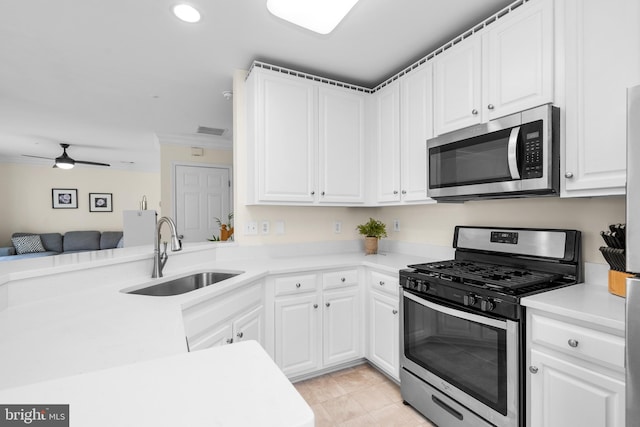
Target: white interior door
[202,194]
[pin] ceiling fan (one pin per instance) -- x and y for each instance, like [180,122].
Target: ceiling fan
[66,162]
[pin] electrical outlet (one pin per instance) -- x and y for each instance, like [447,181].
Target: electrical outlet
[337,227]
[251,228]
[264,227]
[396,225]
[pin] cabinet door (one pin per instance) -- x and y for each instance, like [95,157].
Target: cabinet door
[388,137]
[564,393]
[602,54]
[416,95]
[286,139]
[384,338]
[220,335]
[250,326]
[341,327]
[457,86]
[341,145]
[518,60]
[297,334]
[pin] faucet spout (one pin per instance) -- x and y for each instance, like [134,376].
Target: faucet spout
[159,260]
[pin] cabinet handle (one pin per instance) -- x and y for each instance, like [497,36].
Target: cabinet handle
[229,340]
[533,369]
[395,311]
[490,107]
[474,112]
[343,279]
[381,283]
[315,305]
[404,192]
[313,192]
[297,285]
[328,304]
[568,175]
[322,194]
[240,334]
[395,191]
[572,343]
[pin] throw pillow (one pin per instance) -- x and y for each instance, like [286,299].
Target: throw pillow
[27,244]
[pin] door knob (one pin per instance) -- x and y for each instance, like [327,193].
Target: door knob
[568,175]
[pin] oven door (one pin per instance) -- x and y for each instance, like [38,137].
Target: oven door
[472,359]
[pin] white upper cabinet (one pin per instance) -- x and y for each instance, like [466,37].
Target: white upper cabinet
[305,141]
[601,59]
[404,121]
[518,60]
[341,145]
[503,69]
[457,86]
[283,141]
[416,126]
[387,122]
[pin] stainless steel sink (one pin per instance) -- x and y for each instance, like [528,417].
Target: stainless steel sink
[185,284]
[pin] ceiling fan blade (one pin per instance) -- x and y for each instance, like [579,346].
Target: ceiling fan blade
[92,163]
[38,157]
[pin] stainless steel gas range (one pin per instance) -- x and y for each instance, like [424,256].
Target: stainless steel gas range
[463,328]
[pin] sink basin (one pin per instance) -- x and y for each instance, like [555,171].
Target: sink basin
[185,284]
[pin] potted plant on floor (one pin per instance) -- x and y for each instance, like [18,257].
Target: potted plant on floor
[372,230]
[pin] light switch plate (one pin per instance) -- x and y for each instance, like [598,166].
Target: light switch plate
[337,227]
[396,225]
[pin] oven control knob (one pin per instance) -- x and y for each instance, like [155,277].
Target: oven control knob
[487,304]
[470,299]
[422,286]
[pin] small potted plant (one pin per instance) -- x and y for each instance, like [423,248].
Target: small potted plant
[372,230]
[226,230]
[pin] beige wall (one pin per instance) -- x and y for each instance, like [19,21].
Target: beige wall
[26,198]
[171,154]
[423,223]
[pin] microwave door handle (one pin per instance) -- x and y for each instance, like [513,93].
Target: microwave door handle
[511,153]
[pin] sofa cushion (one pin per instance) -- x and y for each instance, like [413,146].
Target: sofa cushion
[27,244]
[52,242]
[81,241]
[110,239]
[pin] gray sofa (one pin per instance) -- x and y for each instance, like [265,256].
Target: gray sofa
[72,241]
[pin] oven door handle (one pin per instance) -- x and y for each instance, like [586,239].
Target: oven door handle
[457,313]
[512,153]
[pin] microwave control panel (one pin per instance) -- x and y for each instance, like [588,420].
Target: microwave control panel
[532,144]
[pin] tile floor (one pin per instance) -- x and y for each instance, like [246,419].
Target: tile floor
[358,396]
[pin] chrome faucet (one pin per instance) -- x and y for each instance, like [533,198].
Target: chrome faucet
[159,260]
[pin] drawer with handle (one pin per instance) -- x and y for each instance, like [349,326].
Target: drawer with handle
[385,283]
[596,346]
[288,285]
[339,279]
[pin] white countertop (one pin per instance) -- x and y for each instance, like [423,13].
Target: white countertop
[585,302]
[234,385]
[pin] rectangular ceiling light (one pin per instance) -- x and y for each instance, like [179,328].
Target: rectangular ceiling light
[321,16]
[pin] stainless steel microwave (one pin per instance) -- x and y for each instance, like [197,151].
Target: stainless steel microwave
[513,156]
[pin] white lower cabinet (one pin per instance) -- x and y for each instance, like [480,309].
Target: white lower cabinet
[575,374]
[384,323]
[316,327]
[225,319]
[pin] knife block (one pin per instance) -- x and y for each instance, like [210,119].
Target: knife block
[618,282]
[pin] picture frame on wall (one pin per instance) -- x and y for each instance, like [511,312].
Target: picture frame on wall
[64,198]
[100,202]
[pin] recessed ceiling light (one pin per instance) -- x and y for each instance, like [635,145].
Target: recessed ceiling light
[186,13]
[321,16]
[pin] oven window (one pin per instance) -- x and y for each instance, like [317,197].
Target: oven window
[478,160]
[469,355]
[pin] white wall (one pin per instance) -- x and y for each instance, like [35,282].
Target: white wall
[431,224]
[25,191]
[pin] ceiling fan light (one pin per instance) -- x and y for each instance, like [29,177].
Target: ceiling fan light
[186,13]
[320,16]
[64,163]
